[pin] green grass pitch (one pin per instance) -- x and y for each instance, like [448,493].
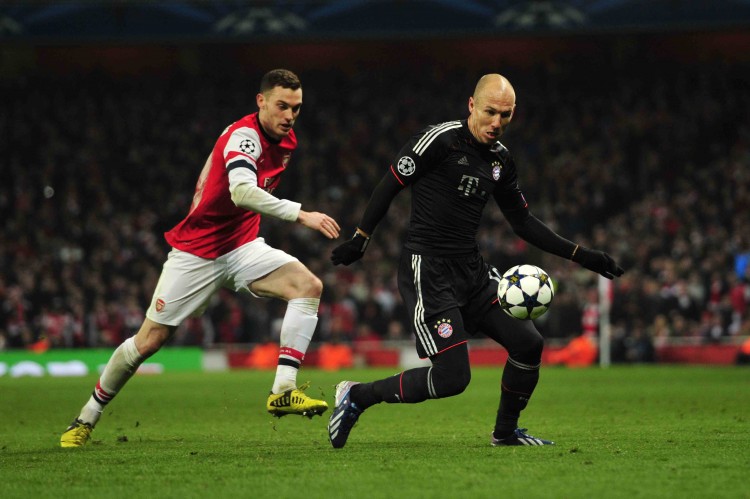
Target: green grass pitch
[629,432]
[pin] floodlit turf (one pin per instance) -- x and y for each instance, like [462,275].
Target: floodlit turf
[625,432]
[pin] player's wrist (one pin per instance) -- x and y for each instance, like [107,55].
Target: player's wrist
[361,240]
[575,251]
[580,254]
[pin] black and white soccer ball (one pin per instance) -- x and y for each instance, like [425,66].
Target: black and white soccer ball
[525,292]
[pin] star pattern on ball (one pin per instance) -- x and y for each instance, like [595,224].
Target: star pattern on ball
[530,302]
[525,292]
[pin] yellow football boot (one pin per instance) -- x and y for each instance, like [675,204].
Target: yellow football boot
[294,401]
[77,434]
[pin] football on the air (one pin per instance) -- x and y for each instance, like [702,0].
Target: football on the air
[525,292]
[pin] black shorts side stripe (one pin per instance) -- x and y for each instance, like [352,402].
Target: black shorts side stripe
[421,328]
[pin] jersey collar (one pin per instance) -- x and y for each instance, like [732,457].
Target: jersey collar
[471,139]
[265,134]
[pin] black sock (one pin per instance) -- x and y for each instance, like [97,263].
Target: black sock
[519,381]
[407,387]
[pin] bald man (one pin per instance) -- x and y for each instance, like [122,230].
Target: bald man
[453,169]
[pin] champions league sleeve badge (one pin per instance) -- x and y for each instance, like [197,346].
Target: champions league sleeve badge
[406,166]
[248,146]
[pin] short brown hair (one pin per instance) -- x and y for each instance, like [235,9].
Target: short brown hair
[279,78]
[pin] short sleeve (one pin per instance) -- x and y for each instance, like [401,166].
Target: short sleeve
[422,152]
[243,145]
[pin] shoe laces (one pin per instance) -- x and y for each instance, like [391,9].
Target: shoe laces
[353,410]
[304,386]
[78,424]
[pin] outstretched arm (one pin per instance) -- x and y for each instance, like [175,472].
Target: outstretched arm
[513,204]
[531,229]
[353,249]
[251,197]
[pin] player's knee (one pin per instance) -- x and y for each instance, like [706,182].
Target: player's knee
[461,380]
[309,286]
[151,337]
[451,372]
[530,352]
[448,384]
[536,345]
[316,286]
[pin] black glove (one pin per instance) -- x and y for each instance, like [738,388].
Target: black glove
[350,251]
[597,261]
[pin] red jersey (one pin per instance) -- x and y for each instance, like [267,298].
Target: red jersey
[215,226]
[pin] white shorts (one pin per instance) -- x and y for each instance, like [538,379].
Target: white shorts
[188,282]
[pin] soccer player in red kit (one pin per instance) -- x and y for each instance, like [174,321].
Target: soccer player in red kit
[217,245]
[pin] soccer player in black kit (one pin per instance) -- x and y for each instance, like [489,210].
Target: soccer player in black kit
[454,169]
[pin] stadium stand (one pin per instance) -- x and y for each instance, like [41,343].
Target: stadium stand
[648,156]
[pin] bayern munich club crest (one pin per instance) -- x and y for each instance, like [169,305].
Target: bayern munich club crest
[406,166]
[444,329]
[496,169]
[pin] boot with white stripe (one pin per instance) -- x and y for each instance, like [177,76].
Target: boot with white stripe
[519,437]
[345,414]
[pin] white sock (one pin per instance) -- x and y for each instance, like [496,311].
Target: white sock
[121,366]
[297,330]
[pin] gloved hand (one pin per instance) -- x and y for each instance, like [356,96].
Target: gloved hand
[597,261]
[350,251]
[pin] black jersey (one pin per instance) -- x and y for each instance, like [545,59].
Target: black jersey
[452,176]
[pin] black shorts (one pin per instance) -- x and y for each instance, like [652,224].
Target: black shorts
[446,298]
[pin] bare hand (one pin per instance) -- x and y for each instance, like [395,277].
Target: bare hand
[320,222]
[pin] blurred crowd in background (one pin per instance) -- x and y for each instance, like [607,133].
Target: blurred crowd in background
[647,161]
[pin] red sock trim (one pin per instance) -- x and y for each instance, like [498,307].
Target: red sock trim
[102,395]
[291,352]
[508,390]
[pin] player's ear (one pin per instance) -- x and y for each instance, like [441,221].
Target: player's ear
[471,104]
[260,99]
